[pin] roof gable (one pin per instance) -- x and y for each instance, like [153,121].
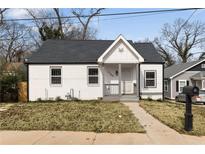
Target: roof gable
[175,70]
[120,51]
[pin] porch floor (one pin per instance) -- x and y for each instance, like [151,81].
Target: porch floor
[122,98]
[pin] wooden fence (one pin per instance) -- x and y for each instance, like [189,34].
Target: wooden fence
[22,92]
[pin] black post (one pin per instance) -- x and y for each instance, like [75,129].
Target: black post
[188,114]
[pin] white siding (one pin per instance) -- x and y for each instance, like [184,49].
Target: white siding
[73,77]
[121,53]
[155,92]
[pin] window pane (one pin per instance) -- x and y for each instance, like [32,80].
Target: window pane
[93,71]
[181,89]
[93,80]
[150,74]
[55,71]
[55,80]
[150,83]
[181,85]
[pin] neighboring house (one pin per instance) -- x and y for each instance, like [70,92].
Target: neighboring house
[180,75]
[93,69]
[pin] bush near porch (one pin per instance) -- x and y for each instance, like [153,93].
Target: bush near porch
[172,114]
[72,116]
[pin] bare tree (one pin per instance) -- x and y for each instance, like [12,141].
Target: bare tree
[202,56]
[60,26]
[49,28]
[2,11]
[181,38]
[167,57]
[15,41]
[85,20]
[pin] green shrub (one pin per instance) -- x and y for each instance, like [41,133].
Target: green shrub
[9,83]
[159,100]
[75,99]
[39,99]
[58,98]
[149,99]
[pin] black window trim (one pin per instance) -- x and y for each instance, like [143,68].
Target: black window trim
[92,84]
[155,79]
[50,76]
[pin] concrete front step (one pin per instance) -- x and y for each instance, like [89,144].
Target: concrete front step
[123,98]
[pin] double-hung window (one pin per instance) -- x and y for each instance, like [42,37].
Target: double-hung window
[150,79]
[182,83]
[93,75]
[56,75]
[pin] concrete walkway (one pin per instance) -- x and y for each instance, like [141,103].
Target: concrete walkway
[157,132]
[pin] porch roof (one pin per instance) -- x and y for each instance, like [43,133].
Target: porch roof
[84,51]
[199,76]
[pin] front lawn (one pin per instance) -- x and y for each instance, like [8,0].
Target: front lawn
[172,114]
[72,116]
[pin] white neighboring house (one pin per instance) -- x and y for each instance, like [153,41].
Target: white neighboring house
[90,69]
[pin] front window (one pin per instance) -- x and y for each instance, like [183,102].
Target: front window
[55,77]
[150,79]
[182,83]
[93,75]
[165,85]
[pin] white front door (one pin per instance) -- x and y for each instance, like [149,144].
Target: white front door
[127,84]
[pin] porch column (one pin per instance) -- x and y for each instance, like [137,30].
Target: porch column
[119,78]
[137,80]
[103,79]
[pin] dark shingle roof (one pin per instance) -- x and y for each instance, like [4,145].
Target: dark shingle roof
[174,69]
[86,51]
[148,52]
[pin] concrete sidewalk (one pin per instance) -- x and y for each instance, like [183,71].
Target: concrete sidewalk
[90,138]
[68,137]
[158,133]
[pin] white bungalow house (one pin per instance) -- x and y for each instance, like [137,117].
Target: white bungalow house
[91,69]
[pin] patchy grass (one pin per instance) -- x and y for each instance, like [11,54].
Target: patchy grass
[5,106]
[172,114]
[72,116]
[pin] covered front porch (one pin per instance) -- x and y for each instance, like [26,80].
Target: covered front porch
[120,82]
[120,71]
[199,80]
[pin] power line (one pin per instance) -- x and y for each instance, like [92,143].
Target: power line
[106,14]
[108,19]
[128,15]
[189,18]
[115,18]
